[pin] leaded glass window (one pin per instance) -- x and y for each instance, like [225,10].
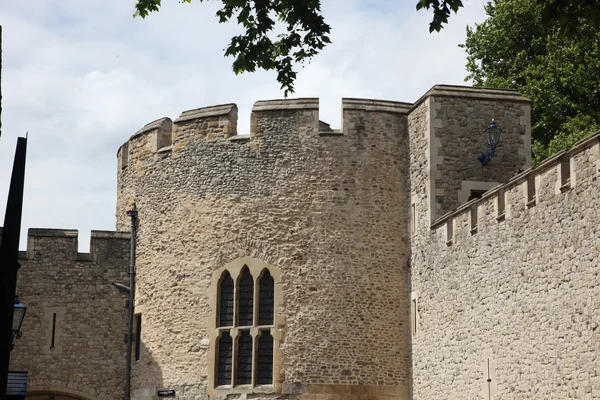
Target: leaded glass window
[266,295]
[225,359]
[244,359]
[246,299]
[264,364]
[226,301]
[245,356]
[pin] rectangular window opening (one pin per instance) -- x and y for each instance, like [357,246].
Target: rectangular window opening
[474,219]
[413,219]
[565,175]
[531,197]
[53,331]
[500,205]
[476,194]
[138,336]
[449,231]
[413,317]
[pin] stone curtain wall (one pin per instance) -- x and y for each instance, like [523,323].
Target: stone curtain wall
[328,209]
[86,359]
[515,300]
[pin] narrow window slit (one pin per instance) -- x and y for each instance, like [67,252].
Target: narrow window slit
[138,336]
[53,331]
[531,196]
[474,219]
[565,175]
[449,231]
[501,205]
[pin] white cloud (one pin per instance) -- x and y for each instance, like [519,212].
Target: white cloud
[82,77]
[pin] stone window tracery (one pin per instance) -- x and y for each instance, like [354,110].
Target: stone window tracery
[244,342]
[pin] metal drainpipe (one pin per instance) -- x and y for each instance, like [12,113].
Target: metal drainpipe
[129,335]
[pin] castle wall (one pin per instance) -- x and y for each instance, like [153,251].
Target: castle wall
[72,341]
[327,209]
[506,292]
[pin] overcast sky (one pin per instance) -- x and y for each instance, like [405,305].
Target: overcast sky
[82,76]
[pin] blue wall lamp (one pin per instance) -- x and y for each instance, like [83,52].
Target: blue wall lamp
[491,136]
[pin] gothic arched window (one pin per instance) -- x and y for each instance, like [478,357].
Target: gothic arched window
[246,299]
[226,300]
[245,347]
[266,299]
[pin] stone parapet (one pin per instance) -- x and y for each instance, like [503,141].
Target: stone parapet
[63,244]
[469,92]
[555,175]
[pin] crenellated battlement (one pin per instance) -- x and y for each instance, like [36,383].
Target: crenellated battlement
[566,172]
[62,244]
[164,136]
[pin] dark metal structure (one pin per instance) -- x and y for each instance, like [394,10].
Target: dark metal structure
[133,214]
[9,264]
[491,137]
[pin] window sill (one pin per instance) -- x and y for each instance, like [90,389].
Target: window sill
[245,389]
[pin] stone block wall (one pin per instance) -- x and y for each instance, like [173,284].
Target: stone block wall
[505,289]
[326,208]
[72,341]
[448,123]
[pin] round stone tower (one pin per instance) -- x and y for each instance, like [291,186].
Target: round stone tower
[274,264]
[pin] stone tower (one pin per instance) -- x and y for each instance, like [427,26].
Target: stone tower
[324,212]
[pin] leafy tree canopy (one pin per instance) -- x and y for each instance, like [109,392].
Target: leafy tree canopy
[554,62]
[307,33]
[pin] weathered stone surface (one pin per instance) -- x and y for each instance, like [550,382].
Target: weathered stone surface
[329,212]
[73,292]
[389,283]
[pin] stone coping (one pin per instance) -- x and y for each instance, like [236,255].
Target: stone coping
[545,165]
[303,103]
[456,91]
[44,232]
[73,236]
[211,111]
[165,123]
[349,103]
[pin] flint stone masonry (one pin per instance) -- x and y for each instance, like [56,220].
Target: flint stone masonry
[88,356]
[327,211]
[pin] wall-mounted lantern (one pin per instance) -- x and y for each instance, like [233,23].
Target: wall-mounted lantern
[18,316]
[491,136]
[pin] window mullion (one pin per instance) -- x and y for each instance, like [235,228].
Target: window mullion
[256,301]
[234,354]
[255,334]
